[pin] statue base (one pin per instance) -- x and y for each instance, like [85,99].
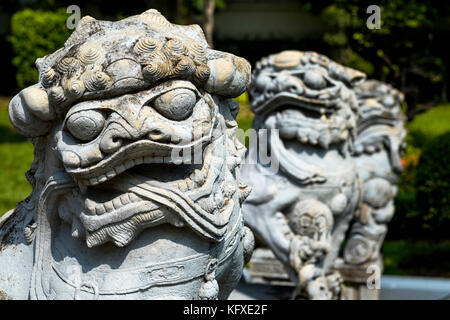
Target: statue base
[356,278]
[265,268]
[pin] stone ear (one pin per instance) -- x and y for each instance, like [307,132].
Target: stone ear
[30,112]
[229,76]
[354,77]
[349,76]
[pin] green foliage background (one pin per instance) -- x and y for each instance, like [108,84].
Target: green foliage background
[423,200]
[407,51]
[16,155]
[34,34]
[433,186]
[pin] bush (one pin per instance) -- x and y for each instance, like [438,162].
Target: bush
[34,34]
[433,186]
[417,258]
[422,203]
[422,206]
[16,157]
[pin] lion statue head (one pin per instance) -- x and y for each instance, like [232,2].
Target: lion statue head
[136,170]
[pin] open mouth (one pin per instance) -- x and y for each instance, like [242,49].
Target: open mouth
[139,153]
[290,164]
[316,127]
[108,191]
[149,191]
[302,127]
[314,100]
[110,197]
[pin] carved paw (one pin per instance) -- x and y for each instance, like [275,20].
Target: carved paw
[334,283]
[300,252]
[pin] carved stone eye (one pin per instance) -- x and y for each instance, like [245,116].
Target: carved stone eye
[86,125]
[314,79]
[176,104]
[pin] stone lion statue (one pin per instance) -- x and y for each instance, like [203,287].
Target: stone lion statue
[136,190]
[378,149]
[306,103]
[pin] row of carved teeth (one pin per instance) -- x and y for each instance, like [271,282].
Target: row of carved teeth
[95,208]
[196,178]
[326,94]
[299,118]
[323,138]
[128,164]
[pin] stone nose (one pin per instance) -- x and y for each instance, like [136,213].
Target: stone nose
[158,131]
[150,128]
[112,140]
[156,128]
[286,82]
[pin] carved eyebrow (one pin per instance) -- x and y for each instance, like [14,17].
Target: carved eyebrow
[169,85]
[154,95]
[142,97]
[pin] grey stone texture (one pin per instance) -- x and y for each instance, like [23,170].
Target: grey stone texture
[115,211]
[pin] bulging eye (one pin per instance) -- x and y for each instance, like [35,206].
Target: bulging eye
[86,125]
[176,104]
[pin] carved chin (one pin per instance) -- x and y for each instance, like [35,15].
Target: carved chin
[132,190]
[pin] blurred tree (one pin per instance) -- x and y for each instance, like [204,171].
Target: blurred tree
[7,80]
[206,10]
[403,51]
[432,184]
[208,20]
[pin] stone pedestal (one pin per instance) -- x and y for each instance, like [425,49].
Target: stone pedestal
[265,268]
[356,278]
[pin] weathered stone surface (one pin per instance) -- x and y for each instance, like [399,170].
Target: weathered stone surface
[302,212]
[265,268]
[339,156]
[378,148]
[136,184]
